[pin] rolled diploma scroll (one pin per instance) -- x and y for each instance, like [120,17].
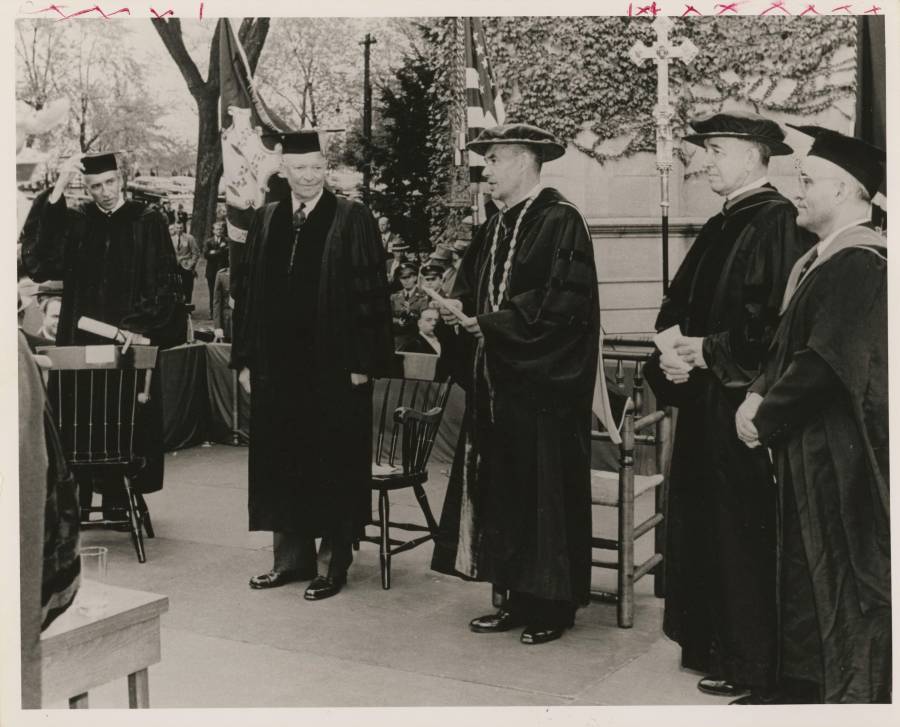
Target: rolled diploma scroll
[99,328]
[442,301]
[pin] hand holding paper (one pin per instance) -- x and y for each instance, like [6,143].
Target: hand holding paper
[453,309]
[675,368]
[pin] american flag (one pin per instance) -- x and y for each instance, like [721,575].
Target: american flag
[484,105]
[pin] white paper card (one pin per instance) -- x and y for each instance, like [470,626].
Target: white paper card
[99,354]
[665,342]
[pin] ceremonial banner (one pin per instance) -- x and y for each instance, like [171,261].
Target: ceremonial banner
[484,105]
[247,163]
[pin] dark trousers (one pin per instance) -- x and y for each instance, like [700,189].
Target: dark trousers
[211,283]
[187,284]
[541,612]
[293,551]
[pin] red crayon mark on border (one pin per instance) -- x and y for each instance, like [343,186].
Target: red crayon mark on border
[872,10]
[651,9]
[810,9]
[690,9]
[845,8]
[726,8]
[201,11]
[776,5]
[51,9]
[168,12]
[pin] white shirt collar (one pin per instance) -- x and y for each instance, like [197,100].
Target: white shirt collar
[114,209]
[310,206]
[746,188]
[535,191]
[823,244]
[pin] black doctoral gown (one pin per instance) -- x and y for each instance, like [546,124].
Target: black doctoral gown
[302,333]
[119,269]
[825,416]
[720,526]
[517,511]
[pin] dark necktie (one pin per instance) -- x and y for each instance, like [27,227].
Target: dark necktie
[808,264]
[298,221]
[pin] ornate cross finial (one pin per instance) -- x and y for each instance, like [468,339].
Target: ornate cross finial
[663,52]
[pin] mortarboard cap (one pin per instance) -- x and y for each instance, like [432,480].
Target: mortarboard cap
[99,162]
[743,125]
[300,142]
[861,160]
[547,146]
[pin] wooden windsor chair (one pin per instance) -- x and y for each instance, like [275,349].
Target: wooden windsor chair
[621,489]
[96,394]
[409,417]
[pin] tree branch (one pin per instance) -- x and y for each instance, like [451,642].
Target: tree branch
[169,30]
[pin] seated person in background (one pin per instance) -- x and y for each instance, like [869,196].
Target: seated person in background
[432,338]
[222,305]
[50,307]
[406,305]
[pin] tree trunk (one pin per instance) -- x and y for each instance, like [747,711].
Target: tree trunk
[209,166]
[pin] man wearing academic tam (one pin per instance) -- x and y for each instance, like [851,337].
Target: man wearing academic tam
[117,265]
[313,328]
[725,297]
[517,511]
[821,406]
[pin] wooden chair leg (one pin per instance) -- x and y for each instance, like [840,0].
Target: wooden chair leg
[663,462]
[625,571]
[134,520]
[145,515]
[384,555]
[426,508]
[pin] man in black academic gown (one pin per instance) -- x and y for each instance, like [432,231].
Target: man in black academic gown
[312,328]
[821,405]
[720,525]
[117,264]
[518,506]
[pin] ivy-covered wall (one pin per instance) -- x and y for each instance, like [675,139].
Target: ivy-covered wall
[574,76]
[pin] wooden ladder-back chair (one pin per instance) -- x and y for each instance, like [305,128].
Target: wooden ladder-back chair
[410,415]
[621,489]
[96,393]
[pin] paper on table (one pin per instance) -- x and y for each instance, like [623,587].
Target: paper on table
[442,301]
[665,342]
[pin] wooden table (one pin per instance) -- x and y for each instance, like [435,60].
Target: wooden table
[79,653]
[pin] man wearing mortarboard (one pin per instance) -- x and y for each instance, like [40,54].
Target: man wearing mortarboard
[720,522]
[312,328]
[117,264]
[821,406]
[518,507]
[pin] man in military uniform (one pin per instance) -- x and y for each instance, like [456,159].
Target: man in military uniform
[407,304]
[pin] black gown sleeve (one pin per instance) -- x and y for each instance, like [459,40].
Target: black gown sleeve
[549,334]
[45,237]
[371,345]
[734,355]
[801,391]
[156,307]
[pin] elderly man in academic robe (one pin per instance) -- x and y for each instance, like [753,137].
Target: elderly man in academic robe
[517,512]
[312,328]
[117,264]
[720,531]
[821,406]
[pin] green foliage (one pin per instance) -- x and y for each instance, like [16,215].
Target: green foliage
[409,151]
[585,80]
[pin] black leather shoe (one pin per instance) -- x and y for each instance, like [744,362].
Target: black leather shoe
[274,579]
[541,634]
[323,587]
[495,623]
[720,687]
